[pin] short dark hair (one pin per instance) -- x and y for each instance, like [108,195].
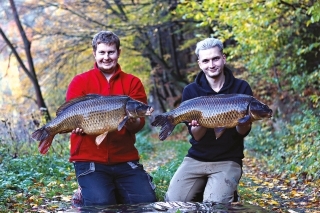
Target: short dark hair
[106,37]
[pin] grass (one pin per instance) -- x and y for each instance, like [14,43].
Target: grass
[286,177]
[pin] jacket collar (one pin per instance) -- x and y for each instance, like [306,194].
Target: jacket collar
[203,83]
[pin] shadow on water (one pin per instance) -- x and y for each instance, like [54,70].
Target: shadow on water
[174,207]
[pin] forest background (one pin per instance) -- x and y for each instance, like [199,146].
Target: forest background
[272,44]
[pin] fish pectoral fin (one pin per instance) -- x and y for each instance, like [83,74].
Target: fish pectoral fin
[219,131]
[245,120]
[100,138]
[122,123]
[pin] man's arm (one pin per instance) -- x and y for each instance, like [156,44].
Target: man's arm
[137,92]
[197,131]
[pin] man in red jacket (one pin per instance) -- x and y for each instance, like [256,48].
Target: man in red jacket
[109,173]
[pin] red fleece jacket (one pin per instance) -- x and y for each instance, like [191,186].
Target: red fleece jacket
[118,146]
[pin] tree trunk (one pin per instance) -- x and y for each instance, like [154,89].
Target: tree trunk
[30,71]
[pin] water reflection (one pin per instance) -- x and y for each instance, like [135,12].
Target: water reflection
[174,207]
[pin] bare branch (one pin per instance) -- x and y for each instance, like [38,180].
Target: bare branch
[14,51]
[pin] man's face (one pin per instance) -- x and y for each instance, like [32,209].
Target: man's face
[107,57]
[211,62]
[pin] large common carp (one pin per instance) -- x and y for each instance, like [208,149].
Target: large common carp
[217,111]
[95,114]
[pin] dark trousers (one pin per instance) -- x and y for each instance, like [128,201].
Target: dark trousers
[124,183]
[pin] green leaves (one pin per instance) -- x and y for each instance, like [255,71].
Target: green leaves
[27,182]
[294,143]
[265,35]
[314,11]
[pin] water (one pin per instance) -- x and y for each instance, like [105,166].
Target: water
[174,207]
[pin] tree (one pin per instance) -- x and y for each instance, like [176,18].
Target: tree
[157,43]
[30,69]
[274,40]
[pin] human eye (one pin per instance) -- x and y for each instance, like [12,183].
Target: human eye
[101,52]
[111,52]
[216,58]
[205,61]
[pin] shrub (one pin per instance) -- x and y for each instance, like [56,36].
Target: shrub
[291,148]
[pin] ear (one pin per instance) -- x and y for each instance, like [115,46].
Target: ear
[94,54]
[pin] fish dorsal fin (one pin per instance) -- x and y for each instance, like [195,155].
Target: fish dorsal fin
[219,131]
[122,123]
[74,101]
[100,138]
[245,120]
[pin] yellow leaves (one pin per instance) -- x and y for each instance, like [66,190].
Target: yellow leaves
[284,196]
[19,195]
[273,202]
[74,184]
[43,190]
[52,183]
[198,16]
[294,193]
[32,198]
[66,198]
[278,193]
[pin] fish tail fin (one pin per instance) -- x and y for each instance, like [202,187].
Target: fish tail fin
[45,139]
[166,123]
[40,134]
[45,144]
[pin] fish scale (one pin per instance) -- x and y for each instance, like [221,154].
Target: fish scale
[217,111]
[220,115]
[94,114]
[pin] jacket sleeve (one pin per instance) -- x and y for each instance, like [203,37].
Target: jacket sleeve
[137,92]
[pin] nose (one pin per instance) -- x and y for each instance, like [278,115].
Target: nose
[106,56]
[211,63]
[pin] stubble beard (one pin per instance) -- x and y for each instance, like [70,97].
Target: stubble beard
[216,75]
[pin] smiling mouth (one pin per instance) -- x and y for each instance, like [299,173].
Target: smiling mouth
[214,70]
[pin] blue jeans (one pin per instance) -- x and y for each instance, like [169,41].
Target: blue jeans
[124,183]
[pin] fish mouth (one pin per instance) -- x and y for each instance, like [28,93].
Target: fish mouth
[267,115]
[149,111]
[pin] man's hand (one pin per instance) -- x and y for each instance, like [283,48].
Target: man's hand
[243,129]
[78,131]
[132,125]
[197,130]
[194,123]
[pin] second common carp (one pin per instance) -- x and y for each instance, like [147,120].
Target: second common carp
[216,111]
[95,114]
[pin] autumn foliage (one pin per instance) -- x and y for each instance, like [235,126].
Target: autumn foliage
[272,44]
